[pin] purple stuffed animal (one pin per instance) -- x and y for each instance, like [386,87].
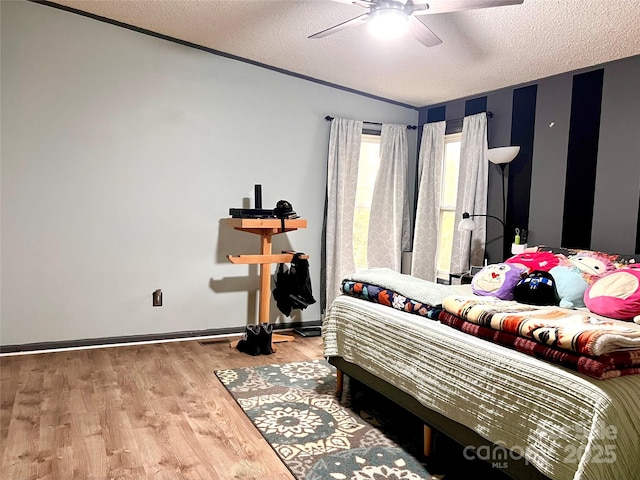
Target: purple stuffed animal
[497,280]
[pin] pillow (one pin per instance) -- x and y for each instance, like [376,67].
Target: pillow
[570,286]
[538,288]
[497,280]
[616,294]
[531,261]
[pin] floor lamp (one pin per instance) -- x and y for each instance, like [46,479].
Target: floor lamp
[501,156]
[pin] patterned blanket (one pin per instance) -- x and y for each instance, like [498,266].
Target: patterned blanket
[608,365]
[572,330]
[422,291]
[390,298]
[399,291]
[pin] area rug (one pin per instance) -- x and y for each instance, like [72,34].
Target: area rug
[317,436]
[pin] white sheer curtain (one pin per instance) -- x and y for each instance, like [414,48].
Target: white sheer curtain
[425,236]
[389,219]
[342,181]
[468,247]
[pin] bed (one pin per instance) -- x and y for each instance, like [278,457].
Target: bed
[510,404]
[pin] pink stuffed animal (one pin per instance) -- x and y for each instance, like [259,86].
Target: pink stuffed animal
[531,261]
[616,294]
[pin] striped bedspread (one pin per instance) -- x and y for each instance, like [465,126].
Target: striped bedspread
[574,330]
[568,425]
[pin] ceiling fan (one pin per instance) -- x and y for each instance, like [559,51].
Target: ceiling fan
[398,15]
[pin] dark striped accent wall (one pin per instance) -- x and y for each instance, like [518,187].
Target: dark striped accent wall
[522,133]
[582,159]
[436,114]
[638,229]
[576,181]
[475,105]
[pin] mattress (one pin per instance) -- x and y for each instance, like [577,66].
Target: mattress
[568,425]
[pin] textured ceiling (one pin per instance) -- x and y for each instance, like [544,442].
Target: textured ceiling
[482,50]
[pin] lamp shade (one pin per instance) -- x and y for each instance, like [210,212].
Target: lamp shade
[466,224]
[502,155]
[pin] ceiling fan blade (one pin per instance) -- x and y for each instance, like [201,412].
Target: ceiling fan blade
[336,28]
[422,33]
[363,3]
[359,3]
[441,6]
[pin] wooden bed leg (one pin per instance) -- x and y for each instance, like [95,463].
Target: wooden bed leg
[339,383]
[427,441]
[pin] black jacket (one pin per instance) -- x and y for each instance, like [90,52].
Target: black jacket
[293,286]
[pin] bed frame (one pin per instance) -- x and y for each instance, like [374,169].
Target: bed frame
[517,469]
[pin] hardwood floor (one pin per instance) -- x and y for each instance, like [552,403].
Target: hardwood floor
[141,412]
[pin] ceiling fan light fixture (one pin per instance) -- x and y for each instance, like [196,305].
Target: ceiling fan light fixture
[388,22]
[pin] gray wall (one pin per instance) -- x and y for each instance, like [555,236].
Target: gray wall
[122,153]
[553,107]
[618,176]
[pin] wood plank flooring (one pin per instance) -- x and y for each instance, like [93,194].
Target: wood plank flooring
[134,412]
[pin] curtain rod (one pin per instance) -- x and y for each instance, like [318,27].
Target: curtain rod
[412,127]
[489,115]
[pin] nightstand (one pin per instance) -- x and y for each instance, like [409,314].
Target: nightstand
[465,277]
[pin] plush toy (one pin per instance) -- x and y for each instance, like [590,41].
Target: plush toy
[497,280]
[616,294]
[538,288]
[531,261]
[570,286]
[591,265]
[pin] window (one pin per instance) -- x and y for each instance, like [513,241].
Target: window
[367,171]
[448,197]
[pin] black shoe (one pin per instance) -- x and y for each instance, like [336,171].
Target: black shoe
[250,341]
[266,334]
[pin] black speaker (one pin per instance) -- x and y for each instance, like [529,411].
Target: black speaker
[258,197]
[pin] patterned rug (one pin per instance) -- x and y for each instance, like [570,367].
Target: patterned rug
[317,436]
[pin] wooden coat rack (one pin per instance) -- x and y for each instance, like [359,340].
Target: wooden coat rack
[266,228]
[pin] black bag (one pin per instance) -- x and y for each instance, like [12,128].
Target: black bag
[293,286]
